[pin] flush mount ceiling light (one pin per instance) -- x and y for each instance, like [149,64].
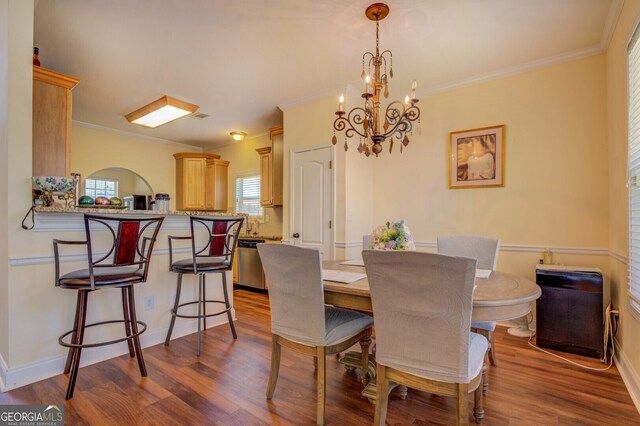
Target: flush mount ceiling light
[161,111]
[238,136]
[372,125]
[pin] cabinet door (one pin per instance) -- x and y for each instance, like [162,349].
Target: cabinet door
[194,178]
[277,165]
[210,186]
[220,185]
[265,180]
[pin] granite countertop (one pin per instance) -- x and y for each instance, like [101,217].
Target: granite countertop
[261,237]
[107,210]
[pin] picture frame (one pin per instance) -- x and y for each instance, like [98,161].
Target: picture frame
[476,157]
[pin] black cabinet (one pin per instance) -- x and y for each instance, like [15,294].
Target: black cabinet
[569,312]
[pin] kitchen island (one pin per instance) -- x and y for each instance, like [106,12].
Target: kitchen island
[41,312]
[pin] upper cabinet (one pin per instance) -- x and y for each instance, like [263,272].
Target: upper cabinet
[201,181]
[271,165]
[51,122]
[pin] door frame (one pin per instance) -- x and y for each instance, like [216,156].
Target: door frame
[332,175]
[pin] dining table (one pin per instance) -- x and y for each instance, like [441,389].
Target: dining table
[500,296]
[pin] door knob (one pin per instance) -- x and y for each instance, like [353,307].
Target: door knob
[296,235]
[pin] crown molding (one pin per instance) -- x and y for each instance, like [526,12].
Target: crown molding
[136,135]
[610,24]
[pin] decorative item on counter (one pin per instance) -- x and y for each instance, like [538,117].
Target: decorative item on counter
[102,201]
[61,186]
[547,257]
[115,201]
[86,200]
[392,236]
[36,52]
[161,203]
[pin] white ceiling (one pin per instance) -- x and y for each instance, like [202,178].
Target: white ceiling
[241,60]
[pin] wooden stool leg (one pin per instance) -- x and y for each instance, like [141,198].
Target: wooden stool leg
[200,280]
[365,343]
[134,329]
[74,338]
[382,396]
[127,321]
[275,366]
[174,311]
[228,305]
[322,384]
[82,316]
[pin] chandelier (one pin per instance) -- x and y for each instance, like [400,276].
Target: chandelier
[368,123]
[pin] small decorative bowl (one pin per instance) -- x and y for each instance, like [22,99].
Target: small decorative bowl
[102,201]
[55,183]
[115,201]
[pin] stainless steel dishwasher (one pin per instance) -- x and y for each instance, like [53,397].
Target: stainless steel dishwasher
[250,272]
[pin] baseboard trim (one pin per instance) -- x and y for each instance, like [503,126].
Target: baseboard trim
[12,378]
[629,376]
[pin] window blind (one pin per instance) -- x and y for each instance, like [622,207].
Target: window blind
[248,196]
[634,171]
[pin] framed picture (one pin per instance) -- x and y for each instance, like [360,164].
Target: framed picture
[476,158]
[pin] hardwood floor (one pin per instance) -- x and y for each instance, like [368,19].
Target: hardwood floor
[227,385]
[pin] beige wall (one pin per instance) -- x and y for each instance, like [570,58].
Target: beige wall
[243,159]
[618,202]
[94,149]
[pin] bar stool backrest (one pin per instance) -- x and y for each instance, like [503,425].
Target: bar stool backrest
[220,241]
[131,243]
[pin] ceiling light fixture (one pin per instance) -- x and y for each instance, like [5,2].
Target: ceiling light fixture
[366,122]
[161,111]
[238,136]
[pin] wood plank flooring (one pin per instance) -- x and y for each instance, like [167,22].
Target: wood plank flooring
[226,386]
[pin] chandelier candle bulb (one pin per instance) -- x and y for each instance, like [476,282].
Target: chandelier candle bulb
[341,105]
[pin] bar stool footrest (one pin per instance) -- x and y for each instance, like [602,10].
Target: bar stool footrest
[98,344]
[176,314]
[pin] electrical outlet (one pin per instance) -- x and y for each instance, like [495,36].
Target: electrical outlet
[149,303]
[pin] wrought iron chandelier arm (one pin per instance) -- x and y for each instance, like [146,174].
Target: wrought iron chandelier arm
[400,118]
[355,117]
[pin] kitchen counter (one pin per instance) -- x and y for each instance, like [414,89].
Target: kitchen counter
[261,237]
[107,210]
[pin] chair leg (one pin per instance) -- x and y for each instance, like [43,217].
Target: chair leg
[275,366]
[74,338]
[322,384]
[82,317]
[382,396]
[365,343]
[134,330]
[174,311]
[478,408]
[200,279]
[485,370]
[492,352]
[228,305]
[204,303]
[127,321]
[462,415]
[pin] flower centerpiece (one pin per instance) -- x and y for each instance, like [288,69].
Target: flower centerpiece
[392,236]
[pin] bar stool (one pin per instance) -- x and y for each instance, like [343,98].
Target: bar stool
[125,262]
[213,244]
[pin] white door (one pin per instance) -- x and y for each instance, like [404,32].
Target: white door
[312,200]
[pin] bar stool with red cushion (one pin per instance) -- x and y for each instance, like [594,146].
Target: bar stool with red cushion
[123,251]
[213,244]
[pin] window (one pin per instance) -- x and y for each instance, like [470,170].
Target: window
[634,171]
[248,195]
[101,188]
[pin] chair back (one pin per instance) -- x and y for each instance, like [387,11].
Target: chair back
[483,249]
[295,292]
[129,242]
[422,306]
[214,238]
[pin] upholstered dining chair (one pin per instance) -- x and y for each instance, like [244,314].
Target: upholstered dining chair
[422,306]
[213,245]
[118,256]
[485,251]
[299,319]
[366,242]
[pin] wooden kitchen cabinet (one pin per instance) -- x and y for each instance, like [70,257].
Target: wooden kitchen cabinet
[201,181]
[215,196]
[51,122]
[271,167]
